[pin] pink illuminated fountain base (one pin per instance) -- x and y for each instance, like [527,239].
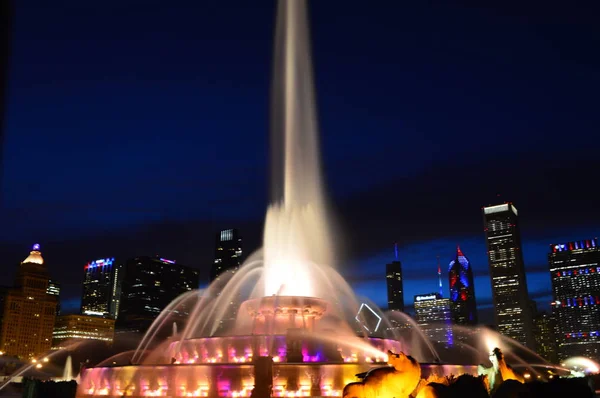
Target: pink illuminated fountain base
[304,360]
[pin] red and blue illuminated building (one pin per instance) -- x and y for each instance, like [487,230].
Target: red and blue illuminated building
[101,288]
[575,273]
[463,307]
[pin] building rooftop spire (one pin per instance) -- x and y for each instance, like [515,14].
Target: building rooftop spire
[35,256]
[440,276]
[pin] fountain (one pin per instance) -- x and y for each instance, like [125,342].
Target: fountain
[68,371]
[300,330]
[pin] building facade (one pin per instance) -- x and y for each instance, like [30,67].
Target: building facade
[149,285]
[395,291]
[507,273]
[575,275]
[29,311]
[463,306]
[545,336]
[433,316]
[228,254]
[54,290]
[102,288]
[70,329]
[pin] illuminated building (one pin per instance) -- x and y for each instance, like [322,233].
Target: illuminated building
[149,285]
[73,328]
[29,311]
[575,275]
[462,290]
[102,288]
[433,316]
[395,291]
[228,258]
[545,336]
[54,290]
[507,273]
[228,253]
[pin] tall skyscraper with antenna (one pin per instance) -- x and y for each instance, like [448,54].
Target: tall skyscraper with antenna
[395,291]
[462,290]
[432,313]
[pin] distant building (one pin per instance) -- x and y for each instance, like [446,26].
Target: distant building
[545,336]
[29,311]
[81,328]
[149,285]
[54,290]
[102,288]
[228,259]
[395,291]
[228,253]
[433,316]
[507,272]
[575,275]
[463,307]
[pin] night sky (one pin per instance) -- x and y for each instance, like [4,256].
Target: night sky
[140,127]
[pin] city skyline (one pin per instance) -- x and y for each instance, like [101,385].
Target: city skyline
[412,132]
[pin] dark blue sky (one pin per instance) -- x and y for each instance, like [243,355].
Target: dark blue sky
[141,126]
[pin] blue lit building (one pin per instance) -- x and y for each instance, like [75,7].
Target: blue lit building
[102,288]
[463,307]
[575,274]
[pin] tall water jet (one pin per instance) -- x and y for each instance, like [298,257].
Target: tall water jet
[296,228]
[68,370]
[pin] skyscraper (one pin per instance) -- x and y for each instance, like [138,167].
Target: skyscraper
[433,316]
[395,292]
[29,311]
[228,253]
[545,336]
[102,288]
[507,272]
[462,290]
[149,285]
[54,290]
[575,274]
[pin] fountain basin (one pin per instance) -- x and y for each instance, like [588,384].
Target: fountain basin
[232,380]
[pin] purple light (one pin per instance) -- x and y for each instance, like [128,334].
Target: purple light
[164,260]
[36,247]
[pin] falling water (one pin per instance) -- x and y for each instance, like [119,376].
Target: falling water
[296,227]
